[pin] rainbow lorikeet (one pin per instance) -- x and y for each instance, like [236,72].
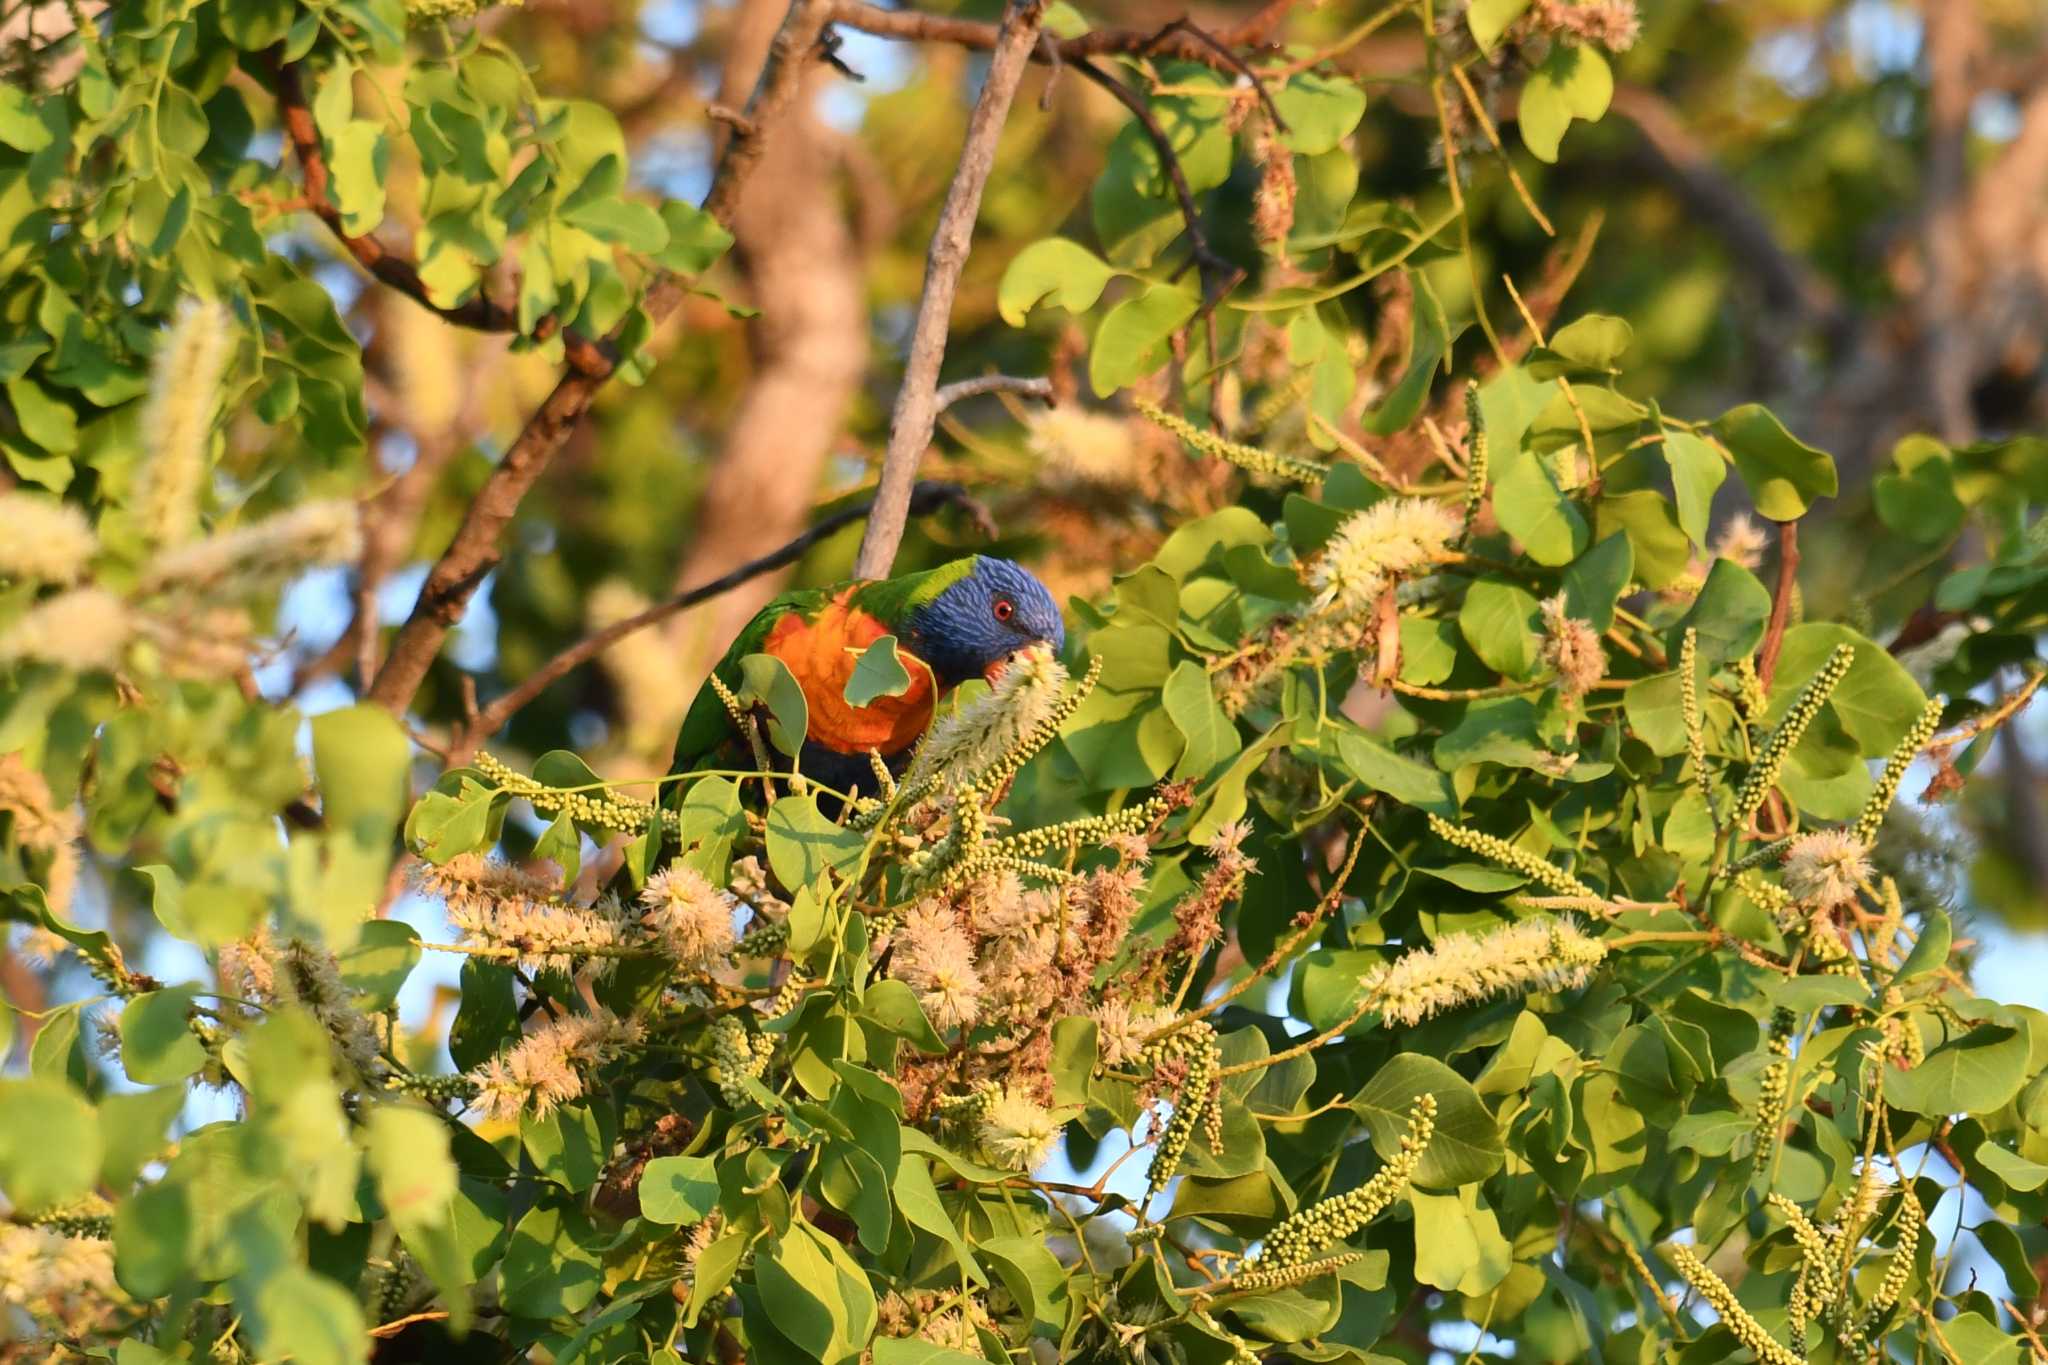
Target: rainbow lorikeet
[961,620]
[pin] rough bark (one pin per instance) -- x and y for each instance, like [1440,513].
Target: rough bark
[809,346]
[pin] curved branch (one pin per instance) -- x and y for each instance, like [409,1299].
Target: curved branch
[1025,387]
[916,411]
[481,313]
[925,498]
[474,552]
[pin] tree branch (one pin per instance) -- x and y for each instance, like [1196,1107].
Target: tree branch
[1781,602]
[925,498]
[1027,387]
[474,552]
[482,313]
[1789,284]
[1204,259]
[1178,40]
[910,426]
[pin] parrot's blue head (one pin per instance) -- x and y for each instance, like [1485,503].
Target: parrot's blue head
[971,628]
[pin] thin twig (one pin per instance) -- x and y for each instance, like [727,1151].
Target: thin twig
[1231,62]
[1478,108]
[1024,385]
[1208,265]
[910,425]
[487,721]
[474,552]
[1781,602]
[397,1325]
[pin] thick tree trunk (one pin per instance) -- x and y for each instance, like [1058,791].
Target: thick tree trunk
[810,351]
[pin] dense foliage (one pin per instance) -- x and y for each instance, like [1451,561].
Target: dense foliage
[1445,897]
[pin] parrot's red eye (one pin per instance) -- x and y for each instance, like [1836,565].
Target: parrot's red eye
[1005,609]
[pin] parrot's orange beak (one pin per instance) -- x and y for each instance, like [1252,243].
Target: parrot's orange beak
[995,670]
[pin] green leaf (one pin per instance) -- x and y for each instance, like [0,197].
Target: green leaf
[444,827]
[47,421]
[408,1155]
[50,1144]
[1971,1337]
[918,1200]
[361,162]
[552,1267]
[818,1295]
[1784,474]
[1489,19]
[1730,614]
[696,241]
[631,224]
[1033,1277]
[803,844]
[1131,342]
[1055,270]
[877,673]
[1711,1132]
[377,966]
[767,681]
[1595,581]
[1211,733]
[1407,781]
[1320,111]
[1877,700]
[20,126]
[1930,950]
[1656,712]
[1467,1142]
[893,1005]
[157,1046]
[309,1318]
[1499,621]
[1920,501]
[2015,1172]
[1530,507]
[568,1145]
[153,1239]
[363,761]
[1697,470]
[1458,1243]
[1573,82]
[918,1351]
[1974,1074]
[1596,342]
[678,1189]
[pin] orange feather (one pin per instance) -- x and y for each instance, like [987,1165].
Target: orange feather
[821,654]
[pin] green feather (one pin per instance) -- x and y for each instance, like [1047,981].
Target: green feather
[891,600]
[706,728]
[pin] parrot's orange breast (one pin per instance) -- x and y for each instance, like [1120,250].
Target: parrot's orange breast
[821,654]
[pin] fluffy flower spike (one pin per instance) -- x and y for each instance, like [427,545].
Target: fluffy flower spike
[1384,543]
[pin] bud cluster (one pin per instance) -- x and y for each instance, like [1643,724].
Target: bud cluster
[1251,459]
[1507,855]
[1770,760]
[605,810]
[1303,1234]
[1686,1261]
[1887,788]
[1475,459]
[1194,1104]
[736,1053]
